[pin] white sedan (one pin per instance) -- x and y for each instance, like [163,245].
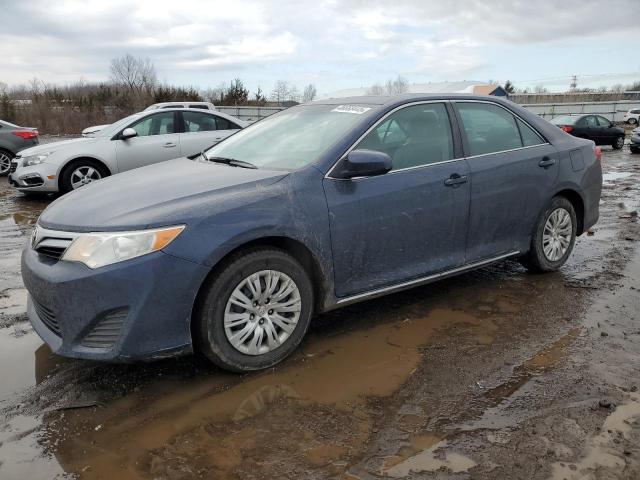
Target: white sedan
[135,141]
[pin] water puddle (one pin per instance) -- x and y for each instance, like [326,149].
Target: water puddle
[494,417]
[433,457]
[611,176]
[12,302]
[600,449]
[18,344]
[313,410]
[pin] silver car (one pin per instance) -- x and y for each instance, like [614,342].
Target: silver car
[135,141]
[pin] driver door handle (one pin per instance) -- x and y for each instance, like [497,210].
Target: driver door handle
[169,145]
[455,180]
[546,162]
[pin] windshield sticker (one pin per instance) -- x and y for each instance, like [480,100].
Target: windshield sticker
[357,109]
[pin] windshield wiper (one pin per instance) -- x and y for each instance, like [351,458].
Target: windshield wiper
[231,161]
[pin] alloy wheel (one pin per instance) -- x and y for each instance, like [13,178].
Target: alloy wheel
[84,175]
[5,163]
[557,233]
[619,142]
[262,312]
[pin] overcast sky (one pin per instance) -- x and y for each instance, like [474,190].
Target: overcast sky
[332,43]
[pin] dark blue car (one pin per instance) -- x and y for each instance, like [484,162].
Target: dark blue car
[319,206]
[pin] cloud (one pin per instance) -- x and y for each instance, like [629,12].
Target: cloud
[340,42]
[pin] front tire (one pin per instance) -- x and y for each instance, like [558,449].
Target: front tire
[255,311]
[79,173]
[553,237]
[5,162]
[618,143]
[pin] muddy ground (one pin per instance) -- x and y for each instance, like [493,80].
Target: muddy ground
[497,374]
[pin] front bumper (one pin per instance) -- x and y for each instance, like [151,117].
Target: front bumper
[35,178]
[134,310]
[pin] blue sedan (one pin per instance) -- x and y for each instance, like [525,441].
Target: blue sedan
[322,205]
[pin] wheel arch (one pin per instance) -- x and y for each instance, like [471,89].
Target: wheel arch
[4,148]
[66,165]
[578,205]
[293,247]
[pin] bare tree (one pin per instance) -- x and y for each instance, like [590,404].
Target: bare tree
[281,92]
[309,93]
[392,87]
[397,86]
[136,74]
[540,89]
[375,90]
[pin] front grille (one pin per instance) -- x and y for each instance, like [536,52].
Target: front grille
[48,317]
[14,167]
[51,247]
[53,252]
[106,333]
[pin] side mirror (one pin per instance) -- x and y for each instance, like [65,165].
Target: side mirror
[128,133]
[363,163]
[611,125]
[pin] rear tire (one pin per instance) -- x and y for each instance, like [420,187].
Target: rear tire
[632,121]
[553,237]
[634,150]
[73,171]
[5,162]
[618,143]
[273,328]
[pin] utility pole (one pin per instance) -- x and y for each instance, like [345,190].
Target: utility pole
[574,83]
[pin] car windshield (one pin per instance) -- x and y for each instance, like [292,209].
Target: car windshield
[292,139]
[115,127]
[565,120]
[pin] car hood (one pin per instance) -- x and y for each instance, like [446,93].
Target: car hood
[53,146]
[168,193]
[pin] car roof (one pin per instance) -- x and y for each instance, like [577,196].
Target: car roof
[405,98]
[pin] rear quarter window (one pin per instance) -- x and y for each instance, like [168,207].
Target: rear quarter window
[529,136]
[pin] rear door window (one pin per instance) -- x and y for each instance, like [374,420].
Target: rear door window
[603,122]
[591,121]
[488,128]
[224,124]
[198,122]
[413,136]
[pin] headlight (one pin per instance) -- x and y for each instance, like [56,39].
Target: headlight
[104,248]
[35,159]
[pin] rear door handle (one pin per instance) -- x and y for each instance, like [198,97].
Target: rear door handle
[169,145]
[546,162]
[455,180]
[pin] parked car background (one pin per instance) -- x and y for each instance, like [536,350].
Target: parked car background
[135,141]
[632,116]
[337,201]
[13,139]
[634,144]
[89,131]
[592,127]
